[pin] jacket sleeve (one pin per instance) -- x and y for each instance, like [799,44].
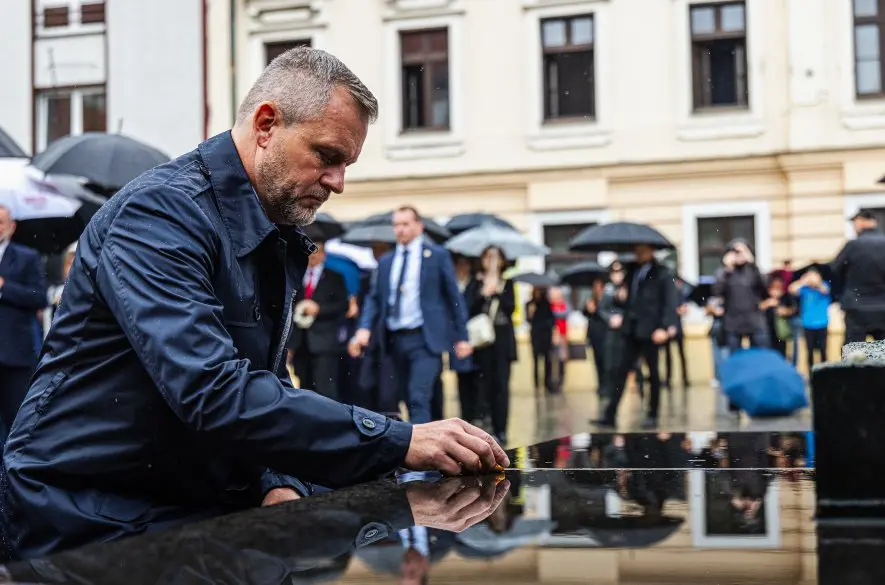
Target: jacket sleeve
[507,299]
[370,310]
[155,272]
[335,306]
[670,294]
[454,296]
[605,308]
[30,292]
[840,264]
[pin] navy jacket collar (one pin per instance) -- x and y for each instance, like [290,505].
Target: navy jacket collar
[237,200]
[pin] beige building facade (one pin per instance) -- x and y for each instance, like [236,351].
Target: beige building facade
[757,118]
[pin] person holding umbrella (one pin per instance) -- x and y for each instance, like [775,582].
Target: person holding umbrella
[492,295]
[742,288]
[649,316]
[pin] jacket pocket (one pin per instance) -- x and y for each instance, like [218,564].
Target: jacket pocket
[47,393]
[244,317]
[121,509]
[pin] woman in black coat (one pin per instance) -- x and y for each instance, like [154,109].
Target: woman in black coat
[491,295]
[540,318]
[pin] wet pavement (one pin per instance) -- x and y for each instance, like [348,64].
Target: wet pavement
[599,508]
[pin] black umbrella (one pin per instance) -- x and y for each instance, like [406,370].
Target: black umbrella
[535,279]
[379,229]
[583,274]
[468,221]
[9,148]
[324,228]
[107,160]
[617,237]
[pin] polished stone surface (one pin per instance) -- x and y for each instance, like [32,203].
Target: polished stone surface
[692,507]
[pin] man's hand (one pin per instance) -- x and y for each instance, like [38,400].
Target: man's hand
[454,447]
[359,342]
[672,331]
[616,321]
[659,336]
[2,281]
[457,503]
[682,310]
[591,306]
[463,350]
[729,260]
[311,307]
[280,495]
[621,295]
[353,308]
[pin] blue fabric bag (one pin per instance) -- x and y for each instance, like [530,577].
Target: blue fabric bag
[761,383]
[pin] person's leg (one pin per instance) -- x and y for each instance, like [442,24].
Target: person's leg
[668,351]
[424,369]
[536,367]
[465,399]
[303,366]
[761,338]
[436,402]
[326,369]
[733,342]
[651,354]
[796,330]
[823,342]
[630,354]
[680,346]
[810,345]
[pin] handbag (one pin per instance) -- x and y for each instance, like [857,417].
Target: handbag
[481,328]
[782,329]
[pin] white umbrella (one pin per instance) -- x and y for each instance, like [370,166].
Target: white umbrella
[362,256]
[513,244]
[28,198]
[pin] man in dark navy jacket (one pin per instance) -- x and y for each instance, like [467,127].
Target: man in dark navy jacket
[162,395]
[22,294]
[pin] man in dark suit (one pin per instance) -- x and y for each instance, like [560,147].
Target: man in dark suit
[22,294]
[650,316]
[416,301]
[316,349]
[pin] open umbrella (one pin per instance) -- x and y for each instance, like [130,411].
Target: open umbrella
[512,244]
[348,269]
[51,211]
[762,383]
[535,279]
[700,294]
[324,228]
[107,160]
[379,229]
[9,147]
[583,274]
[467,221]
[619,236]
[825,271]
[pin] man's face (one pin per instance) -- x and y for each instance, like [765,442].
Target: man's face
[297,167]
[318,257]
[406,226]
[862,224]
[7,226]
[644,254]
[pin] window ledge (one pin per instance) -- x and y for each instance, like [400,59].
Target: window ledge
[425,145]
[709,126]
[865,115]
[564,136]
[72,30]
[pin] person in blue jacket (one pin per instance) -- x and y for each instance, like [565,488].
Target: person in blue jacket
[161,395]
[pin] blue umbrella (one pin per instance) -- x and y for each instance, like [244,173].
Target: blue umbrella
[761,383]
[347,268]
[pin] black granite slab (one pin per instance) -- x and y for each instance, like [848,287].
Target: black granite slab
[684,498]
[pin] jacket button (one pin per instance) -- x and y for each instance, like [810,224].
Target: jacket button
[256,312]
[368,423]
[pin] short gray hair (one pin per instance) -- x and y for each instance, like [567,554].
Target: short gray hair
[300,82]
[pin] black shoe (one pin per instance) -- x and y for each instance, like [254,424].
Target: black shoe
[649,423]
[603,422]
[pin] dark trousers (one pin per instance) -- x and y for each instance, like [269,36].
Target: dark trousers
[417,371]
[318,371]
[759,338]
[816,340]
[542,354]
[634,349]
[436,403]
[469,396]
[596,341]
[14,383]
[860,324]
[679,342]
[494,380]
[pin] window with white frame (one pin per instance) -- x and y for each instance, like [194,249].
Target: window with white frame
[708,228]
[61,112]
[869,40]
[60,14]
[272,50]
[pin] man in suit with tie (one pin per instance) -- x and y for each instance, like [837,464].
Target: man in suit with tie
[649,321]
[316,350]
[22,294]
[416,301]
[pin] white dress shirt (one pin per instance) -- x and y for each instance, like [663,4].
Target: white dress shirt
[410,315]
[312,276]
